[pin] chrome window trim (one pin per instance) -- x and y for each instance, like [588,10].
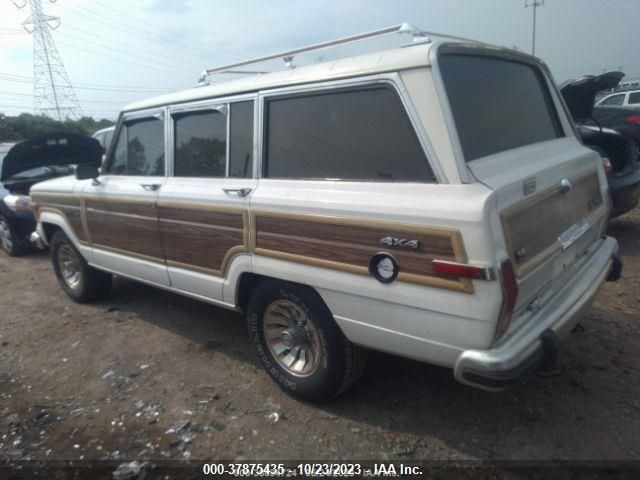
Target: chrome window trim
[443,47]
[392,80]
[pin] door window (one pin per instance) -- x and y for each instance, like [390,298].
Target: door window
[350,135]
[614,100]
[140,149]
[200,144]
[214,143]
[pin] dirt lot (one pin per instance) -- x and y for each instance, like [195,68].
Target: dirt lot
[151,375]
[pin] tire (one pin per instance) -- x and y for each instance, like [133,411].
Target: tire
[81,282]
[9,240]
[296,317]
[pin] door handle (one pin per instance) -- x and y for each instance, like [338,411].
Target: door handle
[238,192]
[150,187]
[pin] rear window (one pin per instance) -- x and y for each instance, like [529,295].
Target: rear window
[497,104]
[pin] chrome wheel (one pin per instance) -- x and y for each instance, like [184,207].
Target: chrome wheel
[292,338]
[5,236]
[69,264]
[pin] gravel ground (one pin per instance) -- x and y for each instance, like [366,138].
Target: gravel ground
[150,375]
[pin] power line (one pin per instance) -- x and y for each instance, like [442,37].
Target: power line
[146,23]
[122,60]
[118,25]
[92,86]
[129,46]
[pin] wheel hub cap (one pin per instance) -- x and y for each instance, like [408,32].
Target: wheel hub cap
[69,267]
[292,338]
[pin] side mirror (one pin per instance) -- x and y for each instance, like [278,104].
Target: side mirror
[85,172]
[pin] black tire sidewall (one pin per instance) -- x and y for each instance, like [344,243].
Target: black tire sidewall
[327,381]
[18,247]
[81,294]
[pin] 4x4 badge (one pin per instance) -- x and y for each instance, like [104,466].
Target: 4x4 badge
[400,242]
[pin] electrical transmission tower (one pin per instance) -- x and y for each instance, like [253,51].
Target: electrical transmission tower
[53,94]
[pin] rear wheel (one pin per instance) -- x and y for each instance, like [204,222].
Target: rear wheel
[9,240]
[299,343]
[80,281]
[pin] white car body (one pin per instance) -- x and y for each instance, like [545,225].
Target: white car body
[445,321]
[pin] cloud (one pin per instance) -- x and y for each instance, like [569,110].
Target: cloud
[169,6]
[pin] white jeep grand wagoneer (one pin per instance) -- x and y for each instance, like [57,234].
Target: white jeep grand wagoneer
[432,201]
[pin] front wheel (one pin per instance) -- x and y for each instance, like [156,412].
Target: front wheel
[80,281]
[299,343]
[9,241]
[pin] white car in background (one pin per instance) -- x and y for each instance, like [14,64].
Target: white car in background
[630,97]
[104,137]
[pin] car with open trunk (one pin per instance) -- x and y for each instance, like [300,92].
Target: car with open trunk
[354,204]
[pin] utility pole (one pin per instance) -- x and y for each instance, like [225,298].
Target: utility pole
[53,94]
[535,4]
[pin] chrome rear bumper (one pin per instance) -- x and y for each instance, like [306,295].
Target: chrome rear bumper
[537,342]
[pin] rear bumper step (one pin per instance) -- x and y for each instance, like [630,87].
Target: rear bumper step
[536,344]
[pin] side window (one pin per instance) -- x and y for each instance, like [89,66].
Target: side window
[634,98]
[200,144]
[614,100]
[139,149]
[349,135]
[241,140]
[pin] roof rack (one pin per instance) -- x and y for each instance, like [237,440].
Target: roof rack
[404,28]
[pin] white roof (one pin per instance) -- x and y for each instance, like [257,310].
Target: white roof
[411,56]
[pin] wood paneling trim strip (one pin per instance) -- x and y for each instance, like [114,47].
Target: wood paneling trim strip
[528,225]
[347,244]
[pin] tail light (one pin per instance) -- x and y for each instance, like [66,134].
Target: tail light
[633,119]
[509,295]
[461,270]
[606,163]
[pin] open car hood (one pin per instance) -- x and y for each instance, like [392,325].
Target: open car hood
[51,149]
[581,94]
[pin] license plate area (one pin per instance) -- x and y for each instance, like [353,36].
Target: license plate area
[573,233]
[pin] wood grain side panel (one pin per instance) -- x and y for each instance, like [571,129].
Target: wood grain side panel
[128,233]
[199,246]
[348,245]
[535,224]
[359,236]
[202,237]
[143,208]
[68,206]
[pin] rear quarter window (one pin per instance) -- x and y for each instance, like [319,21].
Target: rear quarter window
[497,104]
[356,135]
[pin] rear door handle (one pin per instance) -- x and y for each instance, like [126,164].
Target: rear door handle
[238,192]
[150,187]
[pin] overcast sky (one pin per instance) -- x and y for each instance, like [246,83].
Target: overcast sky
[117,51]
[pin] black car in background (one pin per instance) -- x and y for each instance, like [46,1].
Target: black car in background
[625,120]
[616,138]
[27,163]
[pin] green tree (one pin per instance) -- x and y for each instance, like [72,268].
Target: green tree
[26,125]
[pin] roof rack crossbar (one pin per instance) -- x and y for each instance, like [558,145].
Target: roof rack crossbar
[402,28]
